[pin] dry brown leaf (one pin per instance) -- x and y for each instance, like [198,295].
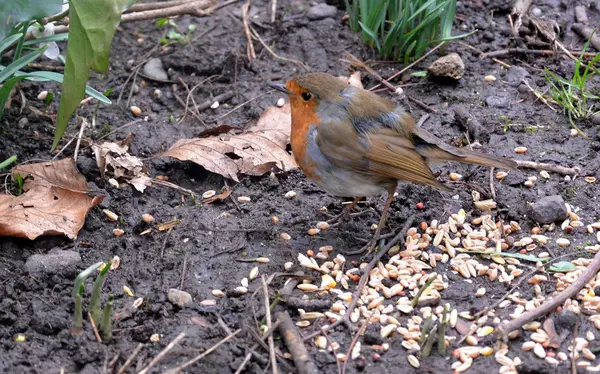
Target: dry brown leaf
[114,159]
[62,173]
[220,197]
[54,203]
[255,152]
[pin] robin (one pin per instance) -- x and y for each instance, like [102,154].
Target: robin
[353,143]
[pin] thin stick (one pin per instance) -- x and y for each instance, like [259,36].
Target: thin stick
[249,47]
[262,338]
[299,63]
[359,63]
[238,107]
[543,52]
[129,360]
[268,319]
[63,148]
[162,353]
[333,351]
[294,342]
[551,304]
[94,328]
[399,238]
[83,125]
[410,65]
[574,352]
[203,354]
[548,167]
[153,6]
[538,95]
[183,272]
[492,188]
[353,343]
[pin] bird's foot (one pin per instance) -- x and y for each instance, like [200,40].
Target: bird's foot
[375,241]
[345,214]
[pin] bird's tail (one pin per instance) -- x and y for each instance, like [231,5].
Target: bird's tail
[435,153]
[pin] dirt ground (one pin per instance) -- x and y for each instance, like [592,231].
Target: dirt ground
[203,252]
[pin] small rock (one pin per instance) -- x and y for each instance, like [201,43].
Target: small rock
[372,335]
[179,298]
[54,262]
[496,101]
[449,66]
[154,70]
[321,11]
[23,122]
[515,75]
[549,209]
[596,119]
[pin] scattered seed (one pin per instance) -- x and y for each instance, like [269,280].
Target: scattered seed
[562,242]
[573,132]
[208,194]
[240,290]
[218,293]
[303,323]
[528,346]
[262,260]
[253,273]
[313,231]
[455,176]
[42,95]
[288,266]
[321,342]
[244,282]
[490,78]
[501,175]
[138,302]
[128,291]
[521,150]
[387,330]
[115,263]
[215,105]
[480,292]
[539,350]
[155,338]
[280,102]
[118,232]
[135,111]
[290,194]
[285,236]
[413,361]
[147,218]
[322,225]
[528,184]
[244,199]
[471,340]
[544,174]
[590,179]
[110,215]
[307,287]
[275,219]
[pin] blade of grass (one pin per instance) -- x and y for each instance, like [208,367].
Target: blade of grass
[16,65]
[9,41]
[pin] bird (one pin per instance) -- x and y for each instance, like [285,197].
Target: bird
[353,143]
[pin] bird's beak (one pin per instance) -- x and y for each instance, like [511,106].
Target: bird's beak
[279,87]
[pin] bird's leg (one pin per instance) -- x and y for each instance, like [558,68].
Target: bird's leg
[373,242]
[345,212]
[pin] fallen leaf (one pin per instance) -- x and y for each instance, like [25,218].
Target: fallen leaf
[220,197]
[62,173]
[141,182]
[112,158]
[259,150]
[54,203]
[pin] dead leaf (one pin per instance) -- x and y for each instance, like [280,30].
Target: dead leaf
[62,173]
[54,203]
[141,182]
[255,152]
[220,197]
[112,158]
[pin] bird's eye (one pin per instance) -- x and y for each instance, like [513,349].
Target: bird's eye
[306,96]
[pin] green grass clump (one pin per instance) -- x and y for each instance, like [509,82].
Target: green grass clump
[402,29]
[574,95]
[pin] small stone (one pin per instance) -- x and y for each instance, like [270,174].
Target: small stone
[157,93]
[449,66]
[54,262]
[515,75]
[179,298]
[549,209]
[290,194]
[154,70]
[321,11]
[281,102]
[23,122]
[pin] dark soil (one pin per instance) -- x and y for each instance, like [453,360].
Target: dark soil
[202,253]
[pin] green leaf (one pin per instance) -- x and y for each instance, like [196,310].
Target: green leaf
[562,267]
[44,76]
[92,25]
[419,74]
[9,41]
[13,12]
[83,276]
[52,38]
[16,65]
[5,92]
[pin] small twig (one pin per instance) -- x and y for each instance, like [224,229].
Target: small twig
[174,186]
[422,104]
[587,32]
[355,61]
[203,354]
[164,244]
[94,328]
[140,7]
[548,167]
[249,47]
[539,96]
[268,319]
[120,128]
[56,17]
[294,343]
[573,359]
[129,360]
[492,188]
[162,353]
[268,333]
[84,123]
[551,304]
[183,272]
[273,10]
[423,119]
[294,61]
[353,343]
[333,351]
[220,98]
[238,107]
[395,75]
[543,52]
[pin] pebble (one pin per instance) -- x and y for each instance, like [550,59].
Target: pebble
[321,11]
[496,101]
[290,194]
[281,102]
[549,209]
[449,66]
[179,298]
[54,262]
[154,70]
[515,75]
